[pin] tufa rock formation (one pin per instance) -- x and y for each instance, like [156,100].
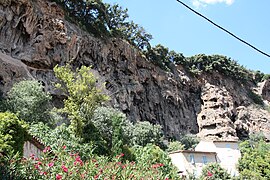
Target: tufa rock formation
[35,37]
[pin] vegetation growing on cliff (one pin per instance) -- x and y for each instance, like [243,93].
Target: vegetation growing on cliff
[105,20]
[95,142]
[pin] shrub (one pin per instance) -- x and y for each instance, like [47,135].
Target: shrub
[28,100]
[12,133]
[189,141]
[257,99]
[113,127]
[60,136]
[63,164]
[214,171]
[144,132]
[152,154]
[255,159]
[83,96]
[175,146]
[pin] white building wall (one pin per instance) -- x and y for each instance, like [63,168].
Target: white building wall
[29,148]
[183,162]
[179,161]
[228,153]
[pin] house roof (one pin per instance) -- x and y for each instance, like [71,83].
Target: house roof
[227,141]
[193,152]
[37,142]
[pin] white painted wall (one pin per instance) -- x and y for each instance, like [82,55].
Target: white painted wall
[228,153]
[29,148]
[184,162]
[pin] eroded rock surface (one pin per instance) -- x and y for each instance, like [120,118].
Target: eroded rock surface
[35,37]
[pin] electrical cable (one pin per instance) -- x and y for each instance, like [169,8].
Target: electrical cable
[220,27]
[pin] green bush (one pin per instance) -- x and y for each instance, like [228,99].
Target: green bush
[213,171]
[255,159]
[60,136]
[83,96]
[257,99]
[152,154]
[189,141]
[63,164]
[28,100]
[13,133]
[105,20]
[144,133]
[175,146]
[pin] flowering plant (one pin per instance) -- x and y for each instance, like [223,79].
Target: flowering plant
[64,164]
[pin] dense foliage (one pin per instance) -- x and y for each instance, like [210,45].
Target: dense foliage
[28,100]
[63,164]
[95,142]
[175,146]
[201,63]
[13,133]
[145,133]
[213,171]
[105,20]
[84,96]
[255,160]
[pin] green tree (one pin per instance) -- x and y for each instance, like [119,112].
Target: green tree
[175,146]
[112,129]
[152,154]
[189,141]
[144,132]
[255,159]
[59,137]
[213,171]
[83,96]
[13,133]
[28,100]
[159,56]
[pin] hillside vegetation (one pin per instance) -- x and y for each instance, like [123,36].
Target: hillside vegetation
[85,139]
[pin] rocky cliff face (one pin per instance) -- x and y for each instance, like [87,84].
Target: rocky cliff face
[35,37]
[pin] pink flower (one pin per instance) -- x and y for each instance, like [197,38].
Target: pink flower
[51,164]
[122,154]
[160,165]
[48,148]
[209,174]
[43,173]
[39,163]
[78,160]
[36,166]
[64,147]
[32,156]
[96,176]
[64,168]
[157,165]
[58,176]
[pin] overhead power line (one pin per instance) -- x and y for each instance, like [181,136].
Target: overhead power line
[215,24]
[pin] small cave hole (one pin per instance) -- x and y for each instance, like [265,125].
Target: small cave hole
[203,117]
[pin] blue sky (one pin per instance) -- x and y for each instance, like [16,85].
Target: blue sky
[174,26]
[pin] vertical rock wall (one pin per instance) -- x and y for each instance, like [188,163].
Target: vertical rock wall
[35,37]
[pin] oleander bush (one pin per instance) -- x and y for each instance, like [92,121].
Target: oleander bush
[64,164]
